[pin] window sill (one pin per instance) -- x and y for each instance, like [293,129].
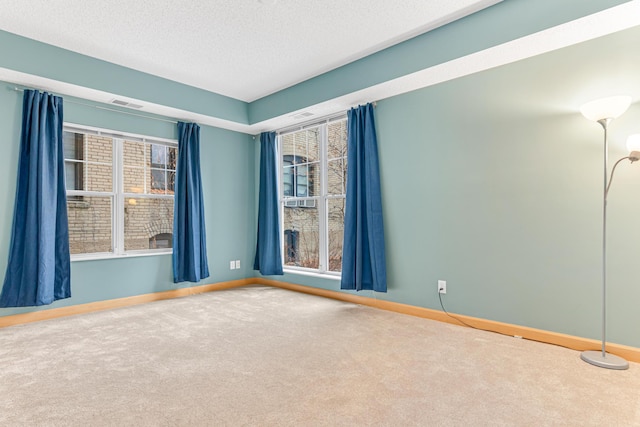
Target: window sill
[325,275]
[102,256]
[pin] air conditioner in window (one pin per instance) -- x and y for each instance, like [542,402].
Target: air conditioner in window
[307,203]
[300,204]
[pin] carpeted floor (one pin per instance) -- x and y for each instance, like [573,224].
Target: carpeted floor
[261,356]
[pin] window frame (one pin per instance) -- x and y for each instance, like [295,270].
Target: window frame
[78,165]
[295,163]
[320,200]
[117,194]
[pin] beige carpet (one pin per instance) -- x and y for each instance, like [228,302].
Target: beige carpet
[260,356]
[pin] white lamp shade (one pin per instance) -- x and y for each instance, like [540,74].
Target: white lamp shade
[633,143]
[606,108]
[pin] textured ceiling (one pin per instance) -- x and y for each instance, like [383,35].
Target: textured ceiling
[245,49]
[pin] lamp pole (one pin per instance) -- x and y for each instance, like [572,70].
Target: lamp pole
[605,125]
[597,358]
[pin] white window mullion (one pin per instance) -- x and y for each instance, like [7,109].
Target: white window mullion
[146,172]
[322,202]
[85,166]
[118,209]
[280,175]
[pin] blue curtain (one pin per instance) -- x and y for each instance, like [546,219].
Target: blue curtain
[363,256]
[268,256]
[189,235]
[38,271]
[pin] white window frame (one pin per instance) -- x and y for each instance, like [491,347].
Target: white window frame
[117,194]
[320,200]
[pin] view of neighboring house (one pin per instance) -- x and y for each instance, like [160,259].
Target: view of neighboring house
[147,181]
[314,200]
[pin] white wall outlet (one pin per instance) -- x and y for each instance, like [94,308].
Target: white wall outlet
[442,286]
[237,263]
[232,265]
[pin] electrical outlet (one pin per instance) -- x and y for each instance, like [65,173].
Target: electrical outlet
[237,263]
[232,265]
[442,286]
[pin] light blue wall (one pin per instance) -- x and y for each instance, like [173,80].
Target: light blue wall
[228,184]
[493,182]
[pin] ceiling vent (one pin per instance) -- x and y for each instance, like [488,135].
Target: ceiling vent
[302,115]
[122,103]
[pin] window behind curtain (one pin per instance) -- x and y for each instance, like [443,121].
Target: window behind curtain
[149,172]
[313,175]
[119,193]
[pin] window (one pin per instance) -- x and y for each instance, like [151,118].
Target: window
[162,240]
[297,180]
[74,161]
[312,194]
[119,192]
[290,247]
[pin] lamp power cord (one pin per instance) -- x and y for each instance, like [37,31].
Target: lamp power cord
[490,330]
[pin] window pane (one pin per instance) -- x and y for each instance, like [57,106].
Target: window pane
[133,153]
[73,145]
[161,241]
[148,223]
[149,168]
[299,177]
[98,149]
[301,165]
[307,179]
[88,162]
[288,189]
[158,181]
[134,159]
[301,181]
[335,230]
[287,146]
[173,158]
[89,224]
[336,177]
[73,175]
[314,179]
[337,140]
[158,156]
[98,177]
[303,245]
[171,182]
[133,179]
[337,157]
[307,145]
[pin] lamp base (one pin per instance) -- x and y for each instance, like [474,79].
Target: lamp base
[608,361]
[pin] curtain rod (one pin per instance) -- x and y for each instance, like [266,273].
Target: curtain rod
[17,89]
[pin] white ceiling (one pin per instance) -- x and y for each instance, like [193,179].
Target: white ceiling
[244,49]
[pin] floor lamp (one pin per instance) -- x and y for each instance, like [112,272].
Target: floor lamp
[604,111]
